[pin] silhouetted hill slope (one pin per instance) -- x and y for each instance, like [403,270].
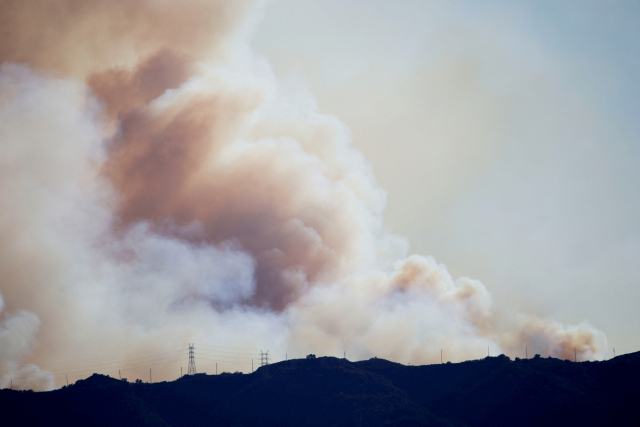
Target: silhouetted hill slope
[524,392]
[334,392]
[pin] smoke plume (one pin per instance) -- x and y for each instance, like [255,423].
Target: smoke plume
[161,185]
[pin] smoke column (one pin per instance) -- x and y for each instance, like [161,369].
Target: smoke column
[160,186]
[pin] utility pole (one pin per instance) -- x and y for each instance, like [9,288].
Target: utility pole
[526,352]
[11,384]
[344,356]
[216,368]
[441,356]
[251,364]
[614,352]
[191,370]
[67,375]
[487,351]
[119,374]
[180,371]
[575,355]
[150,380]
[286,356]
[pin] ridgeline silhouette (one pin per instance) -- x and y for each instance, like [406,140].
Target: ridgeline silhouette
[327,391]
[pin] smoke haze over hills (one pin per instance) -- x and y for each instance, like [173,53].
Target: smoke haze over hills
[160,184]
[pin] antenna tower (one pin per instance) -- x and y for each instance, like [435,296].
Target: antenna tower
[191,370]
[264,358]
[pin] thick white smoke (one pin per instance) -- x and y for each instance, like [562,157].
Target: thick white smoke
[168,201]
[17,337]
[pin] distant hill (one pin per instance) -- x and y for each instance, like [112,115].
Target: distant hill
[326,391]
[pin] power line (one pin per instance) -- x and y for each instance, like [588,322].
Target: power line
[227,355]
[134,362]
[231,348]
[110,361]
[115,365]
[105,358]
[224,361]
[217,356]
[114,372]
[112,367]
[226,352]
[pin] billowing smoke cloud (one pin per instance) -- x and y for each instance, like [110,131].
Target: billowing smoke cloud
[160,185]
[17,336]
[74,37]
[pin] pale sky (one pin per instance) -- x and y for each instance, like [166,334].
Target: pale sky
[505,133]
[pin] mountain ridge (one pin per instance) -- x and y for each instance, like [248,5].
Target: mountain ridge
[328,391]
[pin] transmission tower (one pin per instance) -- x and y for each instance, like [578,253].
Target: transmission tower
[191,370]
[264,358]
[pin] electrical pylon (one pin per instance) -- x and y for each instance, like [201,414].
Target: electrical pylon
[191,370]
[264,358]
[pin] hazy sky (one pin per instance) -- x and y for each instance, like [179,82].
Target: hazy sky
[505,133]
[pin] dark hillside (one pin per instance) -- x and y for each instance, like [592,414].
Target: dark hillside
[334,392]
[524,392]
